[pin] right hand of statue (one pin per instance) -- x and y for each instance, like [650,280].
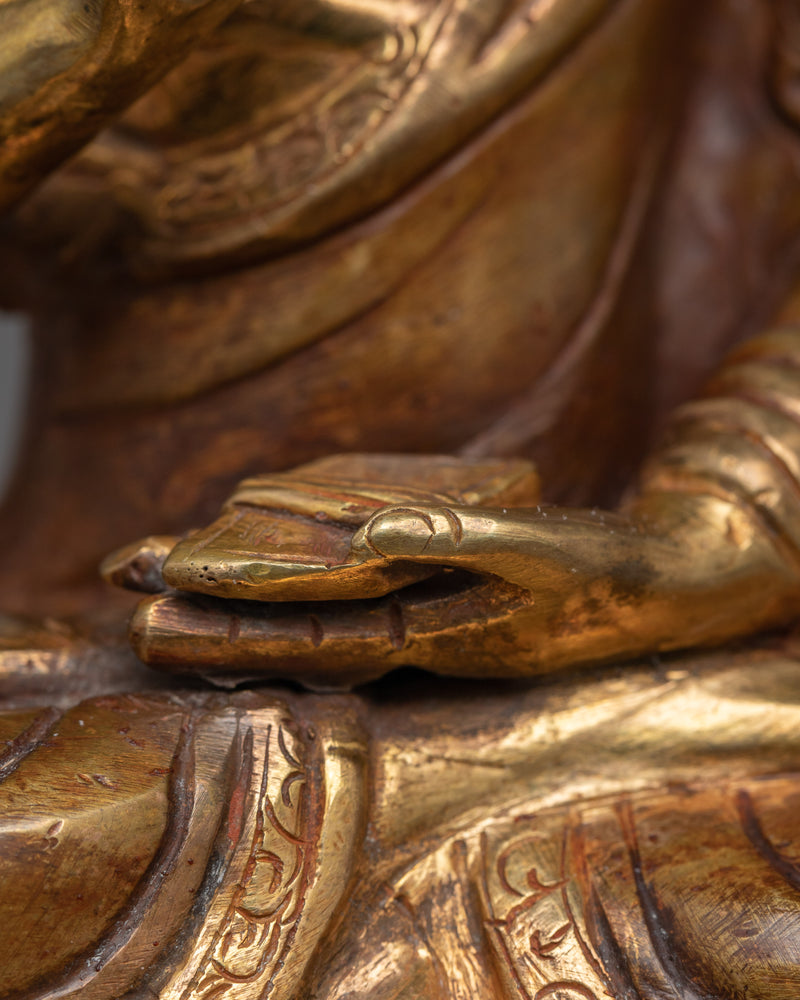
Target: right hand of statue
[449,586]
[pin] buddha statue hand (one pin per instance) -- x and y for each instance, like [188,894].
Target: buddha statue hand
[316,576]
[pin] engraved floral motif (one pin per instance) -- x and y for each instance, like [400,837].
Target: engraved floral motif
[268,900]
[276,165]
[536,930]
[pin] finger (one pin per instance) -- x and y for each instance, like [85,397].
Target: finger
[287,536]
[251,555]
[139,566]
[530,548]
[455,630]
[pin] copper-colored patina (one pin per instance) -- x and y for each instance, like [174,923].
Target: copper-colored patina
[484,316]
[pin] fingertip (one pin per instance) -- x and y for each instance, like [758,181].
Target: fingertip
[139,566]
[400,532]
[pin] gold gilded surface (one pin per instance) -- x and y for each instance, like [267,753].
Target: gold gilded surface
[67,66]
[528,591]
[483,315]
[290,867]
[584,844]
[312,505]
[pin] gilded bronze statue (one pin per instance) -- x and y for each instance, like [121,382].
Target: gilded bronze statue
[401,576]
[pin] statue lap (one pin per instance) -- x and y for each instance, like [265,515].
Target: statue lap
[240,845]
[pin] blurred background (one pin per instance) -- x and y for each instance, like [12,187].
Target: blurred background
[14,371]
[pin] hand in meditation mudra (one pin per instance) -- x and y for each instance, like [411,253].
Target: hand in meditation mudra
[484,315]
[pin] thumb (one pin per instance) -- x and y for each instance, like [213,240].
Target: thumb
[427,534]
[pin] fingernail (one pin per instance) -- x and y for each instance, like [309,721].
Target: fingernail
[400,533]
